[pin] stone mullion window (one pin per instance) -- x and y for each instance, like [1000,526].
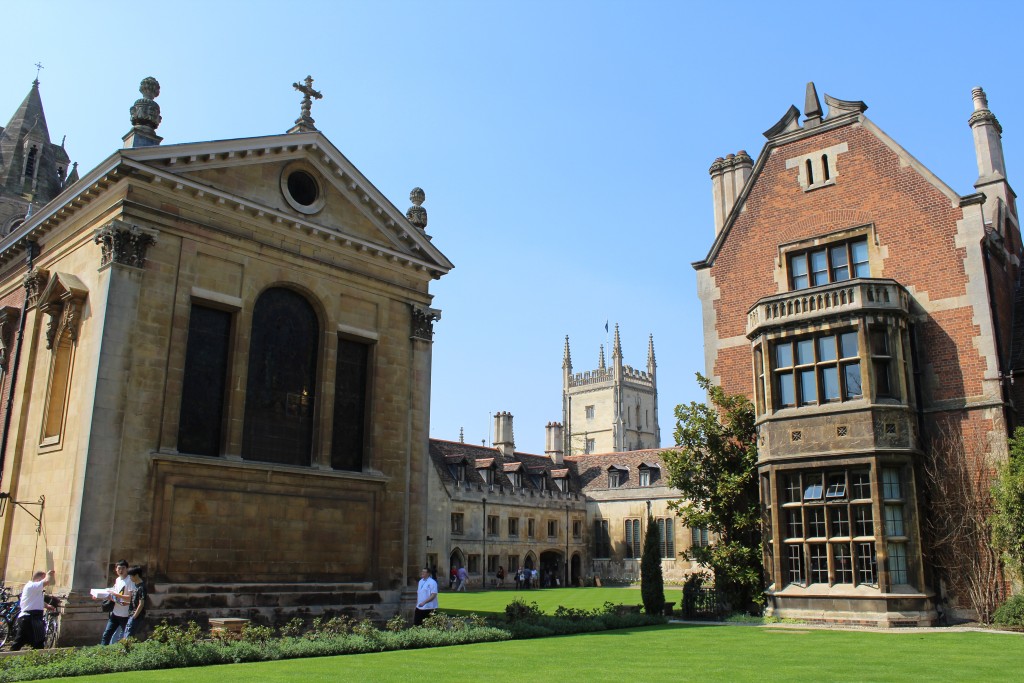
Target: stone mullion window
[633,538]
[884,582]
[828,533]
[759,379]
[813,370]
[834,262]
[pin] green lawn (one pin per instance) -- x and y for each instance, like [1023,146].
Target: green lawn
[664,653]
[494,601]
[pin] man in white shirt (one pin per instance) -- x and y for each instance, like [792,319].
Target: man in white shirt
[31,629]
[426,597]
[121,594]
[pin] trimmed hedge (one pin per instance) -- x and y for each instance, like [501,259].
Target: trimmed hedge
[174,647]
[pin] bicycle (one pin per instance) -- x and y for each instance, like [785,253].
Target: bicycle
[51,618]
[9,610]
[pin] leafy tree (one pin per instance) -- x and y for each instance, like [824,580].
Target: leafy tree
[714,464]
[652,583]
[1008,501]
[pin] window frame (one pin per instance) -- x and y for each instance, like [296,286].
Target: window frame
[823,263]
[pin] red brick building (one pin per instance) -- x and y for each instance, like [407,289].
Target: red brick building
[868,310]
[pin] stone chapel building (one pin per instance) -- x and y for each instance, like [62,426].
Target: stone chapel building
[215,361]
[868,310]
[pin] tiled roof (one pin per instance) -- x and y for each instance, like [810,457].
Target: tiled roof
[539,467]
[592,470]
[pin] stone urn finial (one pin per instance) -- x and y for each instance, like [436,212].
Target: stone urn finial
[416,214]
[146,112]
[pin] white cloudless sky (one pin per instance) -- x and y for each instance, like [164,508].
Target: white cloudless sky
[563,146]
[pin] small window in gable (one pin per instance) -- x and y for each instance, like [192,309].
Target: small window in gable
[817,169]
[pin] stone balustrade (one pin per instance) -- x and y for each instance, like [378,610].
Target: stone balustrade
[844,297]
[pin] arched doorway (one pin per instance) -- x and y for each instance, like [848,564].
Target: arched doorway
[530,562]
[552,571]
[455,560]
[574,570]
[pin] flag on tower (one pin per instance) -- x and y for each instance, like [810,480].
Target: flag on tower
[605,325]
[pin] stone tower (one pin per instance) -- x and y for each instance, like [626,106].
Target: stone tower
[32,169]
[610,409]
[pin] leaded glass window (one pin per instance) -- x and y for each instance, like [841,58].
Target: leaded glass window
[201,419]
[281,385]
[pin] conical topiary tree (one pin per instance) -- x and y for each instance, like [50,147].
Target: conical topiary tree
[652,584]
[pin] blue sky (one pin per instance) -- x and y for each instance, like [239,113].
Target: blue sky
[563,146]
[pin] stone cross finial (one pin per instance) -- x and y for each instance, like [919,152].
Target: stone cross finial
[38,66]
[304,124]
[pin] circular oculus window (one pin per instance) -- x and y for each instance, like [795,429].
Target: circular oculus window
[302,190]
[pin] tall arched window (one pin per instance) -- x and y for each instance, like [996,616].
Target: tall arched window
[281,385]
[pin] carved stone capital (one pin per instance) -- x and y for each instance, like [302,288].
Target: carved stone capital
[34,282]
[124,244]
[423,322]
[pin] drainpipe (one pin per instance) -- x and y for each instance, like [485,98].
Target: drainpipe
[33,251]
[566,584]
[483,535]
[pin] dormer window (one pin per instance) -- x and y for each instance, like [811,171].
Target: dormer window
[645,476]
[487,474]
[458,471]
[616,476]
[516,478]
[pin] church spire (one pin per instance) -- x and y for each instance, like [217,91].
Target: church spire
[32,169]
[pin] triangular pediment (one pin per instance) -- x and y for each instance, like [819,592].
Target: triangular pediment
[297,179]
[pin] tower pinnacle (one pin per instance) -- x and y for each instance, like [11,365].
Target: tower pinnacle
[600,358]
[651,364]
[567,358]
[616,345]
